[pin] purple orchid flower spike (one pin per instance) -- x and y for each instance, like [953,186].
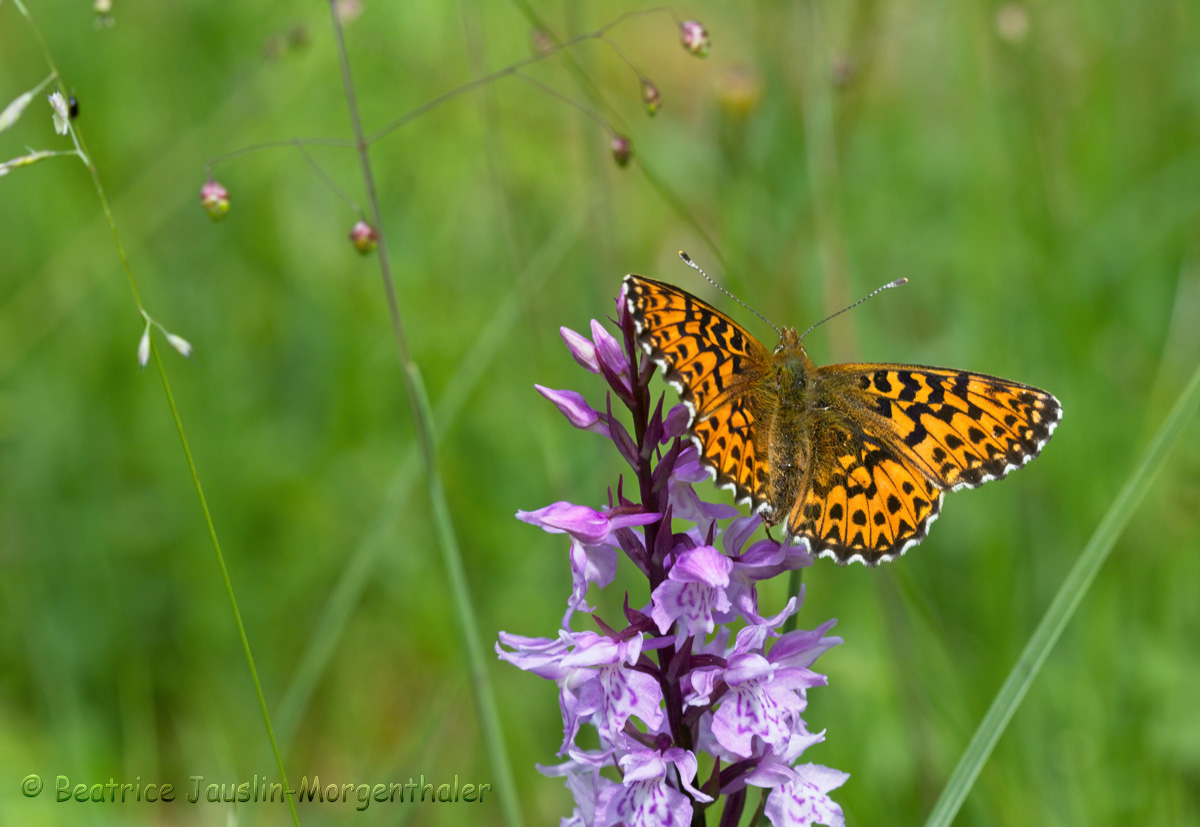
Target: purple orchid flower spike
[700,669]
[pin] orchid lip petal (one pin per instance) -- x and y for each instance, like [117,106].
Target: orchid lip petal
[703,564]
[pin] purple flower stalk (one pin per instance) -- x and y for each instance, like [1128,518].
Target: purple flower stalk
[686,710]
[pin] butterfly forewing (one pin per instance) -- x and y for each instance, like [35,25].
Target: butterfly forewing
[714,364]
[963,429]
[703,352]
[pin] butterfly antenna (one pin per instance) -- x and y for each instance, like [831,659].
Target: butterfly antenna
[874,292]
[688,261]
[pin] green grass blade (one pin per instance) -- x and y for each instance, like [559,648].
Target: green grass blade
[1062,608]
[468,626]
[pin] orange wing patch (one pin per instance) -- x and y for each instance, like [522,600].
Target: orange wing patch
[725,437]
[962,429]
[863,503]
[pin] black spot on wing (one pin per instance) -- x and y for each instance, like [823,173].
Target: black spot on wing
[911,386]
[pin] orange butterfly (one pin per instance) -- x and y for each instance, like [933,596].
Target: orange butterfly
[853,458]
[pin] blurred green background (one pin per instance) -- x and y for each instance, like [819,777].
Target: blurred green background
[1034,169]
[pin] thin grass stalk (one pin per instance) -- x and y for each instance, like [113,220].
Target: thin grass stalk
[233,604]
[31,313]
[418,399]
[470,372]
[1063,607]
[187,452]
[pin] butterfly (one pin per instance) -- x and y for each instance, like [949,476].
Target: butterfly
[853,458]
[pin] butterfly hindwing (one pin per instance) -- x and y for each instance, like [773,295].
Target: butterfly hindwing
[861,501]
[728,438]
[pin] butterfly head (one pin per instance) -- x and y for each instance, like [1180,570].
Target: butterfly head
[792,365]
[791,350]
[789,340]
